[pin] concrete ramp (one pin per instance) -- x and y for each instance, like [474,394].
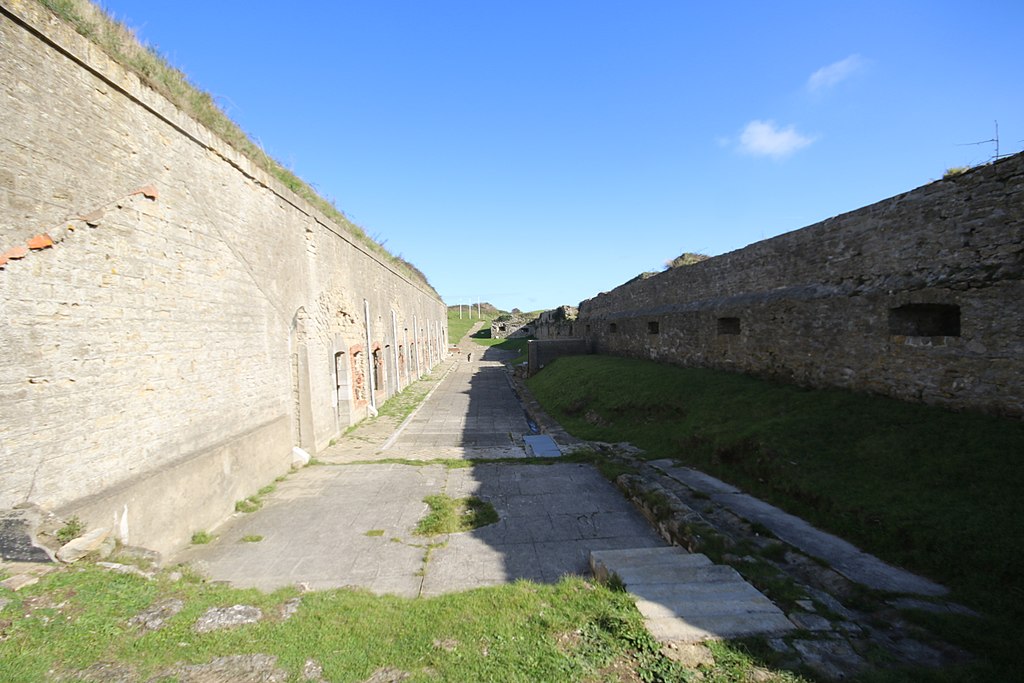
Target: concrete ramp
[684,597]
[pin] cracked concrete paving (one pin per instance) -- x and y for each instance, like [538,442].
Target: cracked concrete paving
[341,524]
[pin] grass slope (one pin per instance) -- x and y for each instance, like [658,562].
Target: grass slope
[935,491]
[458,326]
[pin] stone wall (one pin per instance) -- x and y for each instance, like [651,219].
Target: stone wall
[511,327]
[557,323]
[174,319]
[541,352]
[919,296]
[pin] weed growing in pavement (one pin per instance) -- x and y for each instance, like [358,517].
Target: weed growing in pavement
[450,515]
[202,537]
[250,504]
[72,529]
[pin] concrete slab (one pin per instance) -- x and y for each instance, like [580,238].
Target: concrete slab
[674,629]
[315,526]
[348,524]
[685,597]
[842,556]
[542,446]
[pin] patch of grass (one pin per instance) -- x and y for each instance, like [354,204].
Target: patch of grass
[251,538]
[921,487]
[613,469]
[769,580]
[72,529]
[955,171]
[374,532]
[460,327]
[748,659]
[568,631]
[774,551]
[266,490]
[450,515]
[517,344]
[247,505]
[202,537]
[401,405]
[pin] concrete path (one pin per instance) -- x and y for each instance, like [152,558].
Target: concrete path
[474,413]
[685,598]
[349,524]
[842,556]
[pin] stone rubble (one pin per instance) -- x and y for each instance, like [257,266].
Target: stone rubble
[77,548]
[217,618]
[155,618]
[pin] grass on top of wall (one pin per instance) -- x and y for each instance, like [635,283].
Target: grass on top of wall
[121,45]
[935,491]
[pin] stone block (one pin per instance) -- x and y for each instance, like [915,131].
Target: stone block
[77,548]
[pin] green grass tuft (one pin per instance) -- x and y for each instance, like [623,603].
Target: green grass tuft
[202,537]
[250,504]
[72,529]
[449,515]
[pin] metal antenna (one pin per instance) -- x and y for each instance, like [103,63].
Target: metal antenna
[985,142]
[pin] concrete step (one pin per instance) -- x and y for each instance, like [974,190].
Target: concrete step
[842,556]
[646,560]
[685,597]
[674,629]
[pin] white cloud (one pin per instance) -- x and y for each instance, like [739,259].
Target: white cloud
[833,74]
[764,138]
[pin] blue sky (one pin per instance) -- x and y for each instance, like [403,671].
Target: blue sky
[533,154]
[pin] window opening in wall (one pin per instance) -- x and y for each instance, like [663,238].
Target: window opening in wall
[378,370]
[588,329]
[728,326]
[501,328]
[613,327]
[925,320]
[339,376]
[653,327]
